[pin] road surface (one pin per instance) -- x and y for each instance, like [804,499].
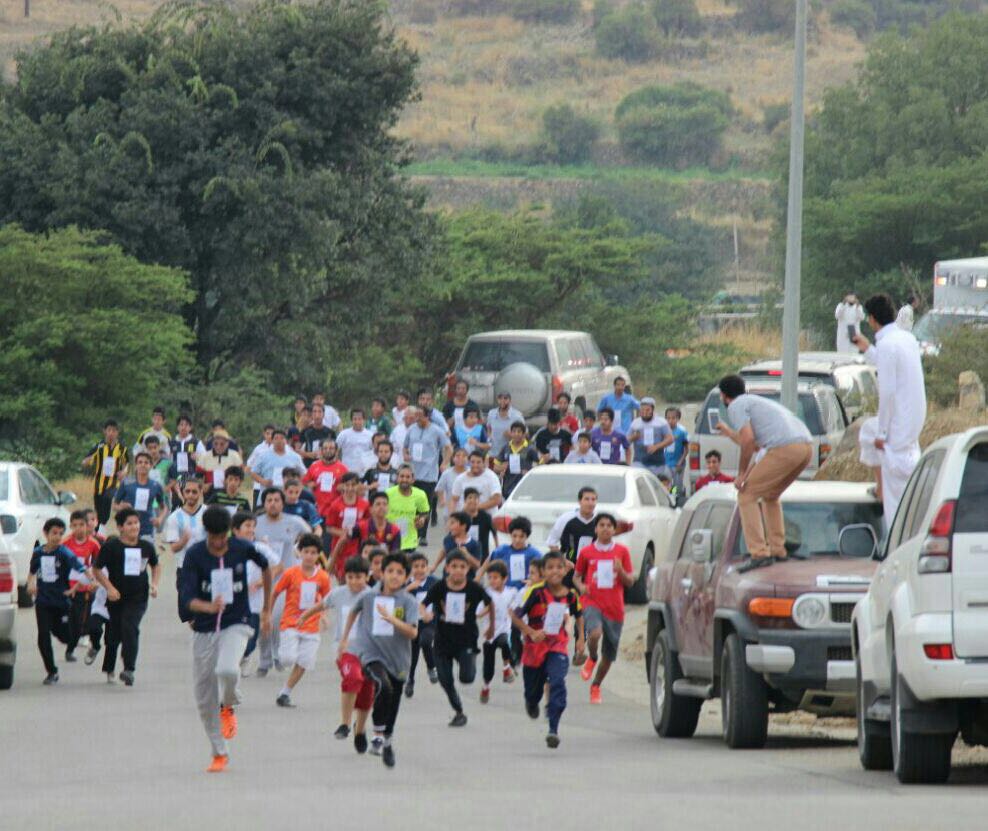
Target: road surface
[85,755]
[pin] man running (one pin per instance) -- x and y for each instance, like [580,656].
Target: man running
[427,449]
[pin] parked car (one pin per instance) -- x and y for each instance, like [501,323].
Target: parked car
[536,366]
[920,635]
[26,501]
[819,409]
[773,639]
[8,614]
[632,494]
[854,379]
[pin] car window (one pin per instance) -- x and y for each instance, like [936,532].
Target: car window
[41,493]
[718,522]
[808,411]
[30,494]
[971,514]
[563,487]
[594,356]
[698,522]
[644,492]
[831,413]
[868,385]
[843,381]
[4,486]
[495,355]
[563,354]
[920,504]
[662,496]
[896,533]
[812,528]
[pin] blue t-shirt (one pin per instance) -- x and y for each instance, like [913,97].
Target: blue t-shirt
[196,582]
[614,445]
[306,510]
[504,553]
[674,452]
[462,434]
[52,568]
[147,506]
[624,409]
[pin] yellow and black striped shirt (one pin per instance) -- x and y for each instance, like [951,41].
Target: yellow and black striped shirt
[100,453]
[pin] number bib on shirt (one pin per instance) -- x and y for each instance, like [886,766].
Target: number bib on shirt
[381,626]
[605,451]
[648,436]
[221,584]
[554,451]
[605,574]
[326,481]
[517,567]
[48,572]
[349,518]
[182,462]
[219,477]
[141,498]
[456,607]
[109,467]
[474,533]
[555,614]
[383,481]
[514,463]
[307,595]
[418,451]
[132,562]
[278,477]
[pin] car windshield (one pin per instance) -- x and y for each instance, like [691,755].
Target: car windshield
[564,487]
[934,325]
[495,355]
[812,528]
[808,411]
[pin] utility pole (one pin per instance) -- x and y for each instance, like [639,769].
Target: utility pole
[794,218]
[27,8]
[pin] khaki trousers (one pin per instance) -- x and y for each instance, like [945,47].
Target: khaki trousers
[759,501]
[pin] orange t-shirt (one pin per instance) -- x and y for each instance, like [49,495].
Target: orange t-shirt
[302,593]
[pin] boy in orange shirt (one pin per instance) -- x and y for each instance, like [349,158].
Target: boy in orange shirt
[305,585]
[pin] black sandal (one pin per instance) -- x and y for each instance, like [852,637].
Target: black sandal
[756,562]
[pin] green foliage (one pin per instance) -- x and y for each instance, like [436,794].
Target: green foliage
[677,17]
[902,15]
[766,15]
[569,136]
[545,11]
[630,34]
[85,332]
[857,15]
[961,349]
[690,377]
[774,114]
[676,126]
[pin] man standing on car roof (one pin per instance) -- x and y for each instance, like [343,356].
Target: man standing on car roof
[901,398]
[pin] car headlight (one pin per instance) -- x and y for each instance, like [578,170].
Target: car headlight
[809,611]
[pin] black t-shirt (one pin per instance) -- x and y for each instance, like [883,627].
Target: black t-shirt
[483,524]
[197,577]
[562,441]
[450,408]
[575,531]
[313,438]
[53,569]
[372,478]
[127,565]
[455,636]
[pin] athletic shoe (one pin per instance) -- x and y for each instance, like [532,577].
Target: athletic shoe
[109,678]
[279,666]
[588,667]
[228,722]
[532,710]
[433,676]
[388,756]
[218,765]
[409,689]
[342,732]
[360,742]
[50,678]
[284,700]
[459,720]
[127,677]
[508,675]
[376,746]
[552,740]
[90,656]
[70,658]
[485,695]
[595,694]
[262,672]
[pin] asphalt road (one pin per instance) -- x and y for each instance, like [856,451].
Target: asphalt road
[84,755]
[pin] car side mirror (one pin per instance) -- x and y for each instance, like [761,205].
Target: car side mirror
[702,545]
[613,360]
[858,541]
[67,498]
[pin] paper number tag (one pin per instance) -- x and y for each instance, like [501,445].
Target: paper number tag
[517,568]
[554,451]
[109,466]
[474,533]
[221,584]
[605,574]
[383,481]
[219,476]
[555,614]
[326,481]
[132,562]
[605,451]
[418,451]
[141,498]
[456,607]
[48,573]
[278,477]
[514,463]
[648,436]
[307,595]
[380,625]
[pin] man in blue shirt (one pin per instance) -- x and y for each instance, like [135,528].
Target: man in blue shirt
[623,404]
[676,452]
[651,436]
[145,496]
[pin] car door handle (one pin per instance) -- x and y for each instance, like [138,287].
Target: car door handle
[686,583]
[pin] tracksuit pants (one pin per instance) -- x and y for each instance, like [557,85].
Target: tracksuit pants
[124,631]
[465,657]
[553,669]
[216,673]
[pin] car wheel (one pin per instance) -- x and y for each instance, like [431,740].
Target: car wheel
[638,592]
[673,716]
[24,600]
[6,677]
[917,758]
[743,699]
[874,745]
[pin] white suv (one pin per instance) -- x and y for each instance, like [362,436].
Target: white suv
[920,635]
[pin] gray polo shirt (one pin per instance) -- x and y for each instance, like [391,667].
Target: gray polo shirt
[498,425]
[425,447]
[391,649]
[772,424]
[280,535]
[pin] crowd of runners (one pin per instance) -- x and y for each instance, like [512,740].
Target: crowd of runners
[321,526]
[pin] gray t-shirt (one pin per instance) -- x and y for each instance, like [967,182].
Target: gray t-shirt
[425,446]
[498,425]
[772,424]
[281,534]
[392,649]
[343,600]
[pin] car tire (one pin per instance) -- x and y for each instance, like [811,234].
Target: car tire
[673,716]
[637,593]
[917,758]
[743,699]
[24,600]
[6,677]
[874,746]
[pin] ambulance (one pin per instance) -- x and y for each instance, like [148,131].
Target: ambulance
[960,297]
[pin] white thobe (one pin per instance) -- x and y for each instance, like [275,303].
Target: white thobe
[901,409]
[904,320]
[847,315]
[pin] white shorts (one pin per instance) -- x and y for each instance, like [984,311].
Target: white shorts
[298,648]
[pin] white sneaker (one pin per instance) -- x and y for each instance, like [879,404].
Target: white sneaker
[376,746]
[245,668]
[110,679]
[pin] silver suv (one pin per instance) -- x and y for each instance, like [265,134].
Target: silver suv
[536,366]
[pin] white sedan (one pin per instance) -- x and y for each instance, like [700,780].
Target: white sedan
[632,494]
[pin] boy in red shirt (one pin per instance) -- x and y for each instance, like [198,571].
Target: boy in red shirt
[376,529]
[85,547]
[545,654]
[325,475]
[305,586]
[603,572]
[713,473]
[341,519]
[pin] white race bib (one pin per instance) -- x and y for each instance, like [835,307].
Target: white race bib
[402,523]
[316,444]
[555,614]
[605,451]
[605,574]
[278,477]
[381,626]
[48,572]
[132,562]
[78,577]
[554,451]
[349,518]
[221,584]
[648,436]
[474,533]
[182,462]
[141,498]
[326,481]
[109,466]
[458,415]
[456,607]
[517,568]
[307,595]
[420,595]
[383,481]
[514,463]
[583,543]
[219,477]
[418,451]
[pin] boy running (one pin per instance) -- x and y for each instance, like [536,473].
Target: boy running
[603,572]
[419,586]
[501,600]
[229,497]
[85,548]
[244,527]
[516,458]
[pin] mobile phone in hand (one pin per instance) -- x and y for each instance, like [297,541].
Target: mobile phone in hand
[852,333]
[713,419]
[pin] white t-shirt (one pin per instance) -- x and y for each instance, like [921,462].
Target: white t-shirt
[398,442]
[445,483]
[487,484]
[255,599]
[356,448]
[180,521]
[502,602]
[255,455]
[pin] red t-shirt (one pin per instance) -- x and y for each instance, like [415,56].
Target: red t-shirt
[609,599]
[570,423]
[326,481]
[341,515]
[537,609]
[706,479]
[85,551]
[387,536]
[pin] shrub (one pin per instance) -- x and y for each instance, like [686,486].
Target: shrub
[545,11]
[766,15]
[774,114]
[677,17]
[630,34]
[858,15]
[965,347]
[569,136]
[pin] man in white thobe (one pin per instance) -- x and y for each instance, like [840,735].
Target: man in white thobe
[907,314]
[901,398]
[848,313]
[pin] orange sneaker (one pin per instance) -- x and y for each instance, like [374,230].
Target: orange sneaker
[588,667]
[228,722]
[595,694]
[218,765]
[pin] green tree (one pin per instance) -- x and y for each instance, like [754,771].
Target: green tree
[630,34]
[86,332]
[677,17]
[766,15]
[965,348]
[569,136]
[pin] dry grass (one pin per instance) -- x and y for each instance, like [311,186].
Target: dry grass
[750,340]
